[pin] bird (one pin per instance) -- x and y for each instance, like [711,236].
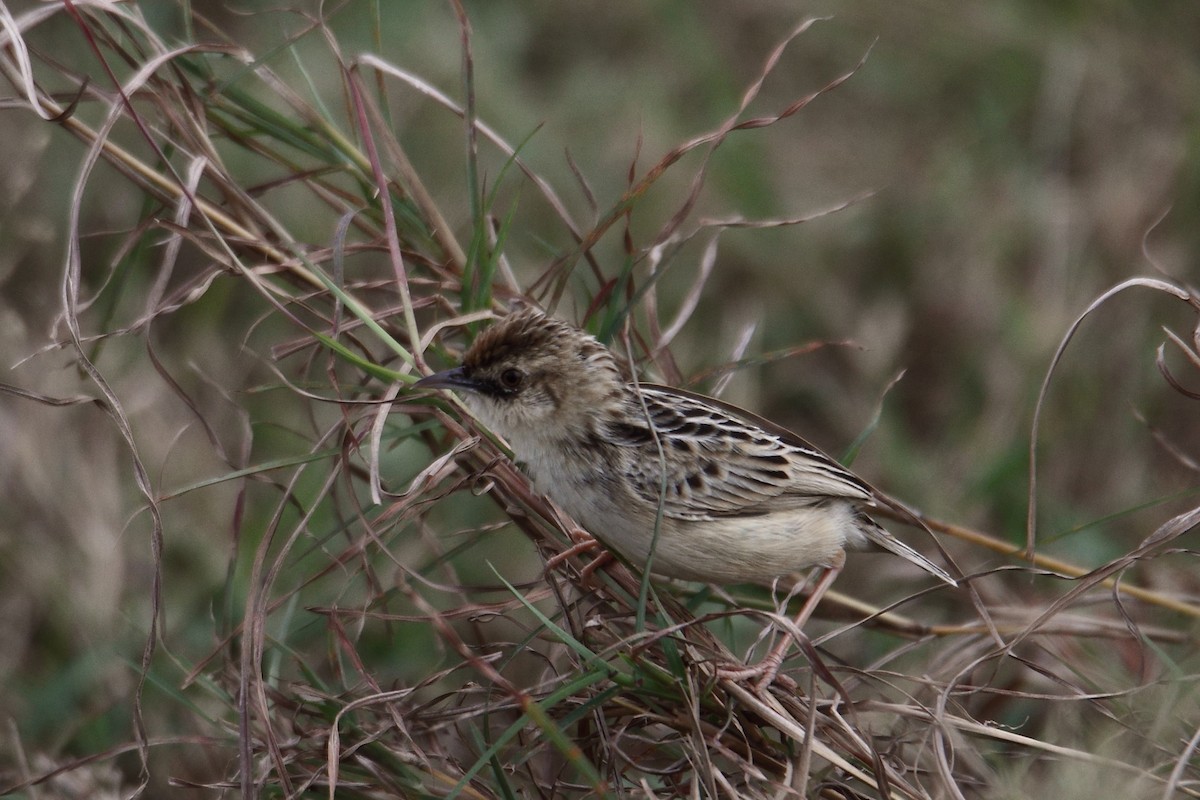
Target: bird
[680,484]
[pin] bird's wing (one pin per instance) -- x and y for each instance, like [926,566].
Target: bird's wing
[701,458]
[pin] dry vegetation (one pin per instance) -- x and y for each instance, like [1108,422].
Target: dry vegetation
[239,558]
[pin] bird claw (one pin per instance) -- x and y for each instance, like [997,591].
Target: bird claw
[584,542]
[766,672]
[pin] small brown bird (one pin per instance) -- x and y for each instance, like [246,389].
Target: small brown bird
[687,485]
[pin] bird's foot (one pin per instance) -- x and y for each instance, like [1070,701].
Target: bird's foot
[583,542]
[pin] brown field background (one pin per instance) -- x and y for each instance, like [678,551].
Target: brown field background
[989,171]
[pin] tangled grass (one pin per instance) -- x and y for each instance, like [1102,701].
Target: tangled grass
[383,623]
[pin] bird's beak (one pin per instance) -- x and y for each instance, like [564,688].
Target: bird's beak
[455,378]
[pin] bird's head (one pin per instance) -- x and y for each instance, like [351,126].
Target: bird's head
[529,376]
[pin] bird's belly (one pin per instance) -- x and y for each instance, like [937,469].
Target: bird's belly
[756,549]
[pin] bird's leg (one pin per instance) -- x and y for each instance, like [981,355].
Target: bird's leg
[583,542]
[766,670]
[769,667]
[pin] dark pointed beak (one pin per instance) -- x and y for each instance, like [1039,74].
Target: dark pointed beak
[455,378]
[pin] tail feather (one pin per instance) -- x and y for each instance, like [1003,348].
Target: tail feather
[881,538]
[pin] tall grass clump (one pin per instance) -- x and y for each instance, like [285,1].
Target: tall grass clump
[280,573]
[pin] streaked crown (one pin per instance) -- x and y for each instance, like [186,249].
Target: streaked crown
[529,369]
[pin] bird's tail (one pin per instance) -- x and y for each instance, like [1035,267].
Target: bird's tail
[881,538]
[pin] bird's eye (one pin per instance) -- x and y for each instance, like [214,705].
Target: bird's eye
[511,378]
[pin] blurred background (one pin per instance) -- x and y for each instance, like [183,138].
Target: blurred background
[1000,166]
